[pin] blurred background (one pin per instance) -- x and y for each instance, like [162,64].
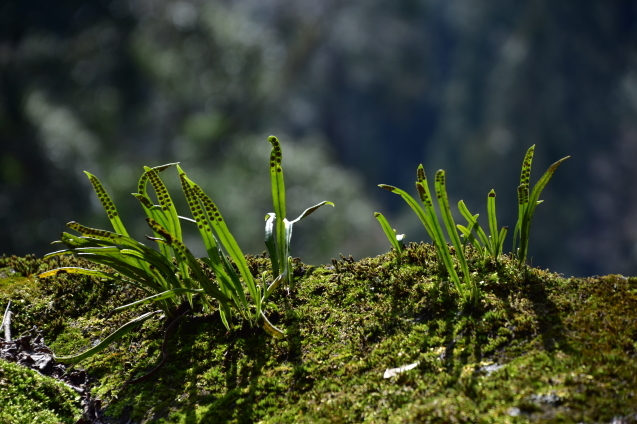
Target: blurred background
[359,93]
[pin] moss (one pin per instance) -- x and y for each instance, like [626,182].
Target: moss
[28,397]
[15,286]
[538,347]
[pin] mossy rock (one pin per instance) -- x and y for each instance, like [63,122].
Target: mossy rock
[28,397]
[538,347]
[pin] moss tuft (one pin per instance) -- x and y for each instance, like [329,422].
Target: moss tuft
[28,397]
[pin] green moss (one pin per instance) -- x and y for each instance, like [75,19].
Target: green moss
[28,397]
[15,286]
[538,348]
[73,338]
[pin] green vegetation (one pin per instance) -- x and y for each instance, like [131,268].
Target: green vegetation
[278,230]
[135,264]
[463,283]
[394,238]
[527,202]
[491,246]
[538,347]
[28,397]
[172,275]
[383,339]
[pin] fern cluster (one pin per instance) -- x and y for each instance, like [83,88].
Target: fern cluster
[171,276]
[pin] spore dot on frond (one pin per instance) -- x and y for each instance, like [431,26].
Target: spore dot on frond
[420,173]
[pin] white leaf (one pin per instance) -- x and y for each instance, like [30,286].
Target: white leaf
[391,372]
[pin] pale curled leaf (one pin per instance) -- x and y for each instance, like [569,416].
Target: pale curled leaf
[271,329]
[309,210]
[392,372]
[270,242]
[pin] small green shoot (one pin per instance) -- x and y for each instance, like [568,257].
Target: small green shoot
[278,230]
[394,239]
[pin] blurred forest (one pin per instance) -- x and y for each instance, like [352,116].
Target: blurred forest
[359,93]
